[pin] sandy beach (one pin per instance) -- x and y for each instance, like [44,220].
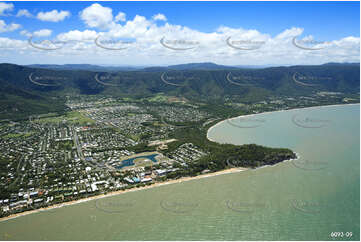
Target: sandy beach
[184,179]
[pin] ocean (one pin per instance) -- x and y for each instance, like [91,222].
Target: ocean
[310,198]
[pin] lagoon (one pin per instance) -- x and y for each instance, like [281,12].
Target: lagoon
[304,199]
[130,162]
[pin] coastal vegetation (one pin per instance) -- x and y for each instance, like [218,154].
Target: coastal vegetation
[68,141]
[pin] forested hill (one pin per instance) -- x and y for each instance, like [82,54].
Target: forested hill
[26,90]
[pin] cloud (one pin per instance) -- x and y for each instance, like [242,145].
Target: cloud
[97,16]
[146,48]
[53,16]
[42,33]
[213,47]
[160,17]
[25,13]
[120,17]
[5,7]
[7,43]
[39,33]
[25,33]
[8,27]
[290,33]
[138,27]
[78,35]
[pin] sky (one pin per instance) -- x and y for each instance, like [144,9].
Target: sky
[166,33]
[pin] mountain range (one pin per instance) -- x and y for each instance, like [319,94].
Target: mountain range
[35,89]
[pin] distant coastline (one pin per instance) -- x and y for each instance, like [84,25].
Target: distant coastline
[285,110]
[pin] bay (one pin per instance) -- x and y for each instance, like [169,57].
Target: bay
[303,199]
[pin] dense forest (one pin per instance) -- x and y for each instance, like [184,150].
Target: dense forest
[46,92]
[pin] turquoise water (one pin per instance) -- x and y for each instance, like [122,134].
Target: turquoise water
[130,162]
[305,199]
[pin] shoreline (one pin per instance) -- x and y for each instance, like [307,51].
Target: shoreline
[269,112]
[115,193]
[180,180]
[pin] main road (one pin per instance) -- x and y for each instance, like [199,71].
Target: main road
[80,152]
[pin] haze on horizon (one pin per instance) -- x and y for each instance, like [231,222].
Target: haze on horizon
[160,34]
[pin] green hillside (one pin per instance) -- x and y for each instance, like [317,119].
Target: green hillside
[25,91]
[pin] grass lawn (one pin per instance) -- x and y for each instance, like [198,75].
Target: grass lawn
[72,117]
[158,98]
[17,135]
